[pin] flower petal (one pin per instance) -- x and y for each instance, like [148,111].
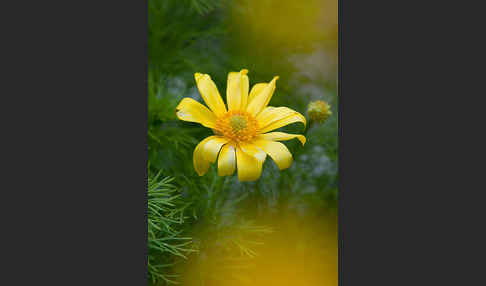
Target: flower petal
[278,151]
[201,165]
[255,90]
[209,92]
[193,111]
[271,114]
[254,151]
[227,160]
[245,87]
[296,117]
[249,168]
[211,148]
[237,90]
[261,100]
[281,136]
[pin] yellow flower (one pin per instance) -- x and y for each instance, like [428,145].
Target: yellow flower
[241,137]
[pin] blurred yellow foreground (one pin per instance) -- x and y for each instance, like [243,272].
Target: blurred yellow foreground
[293,253]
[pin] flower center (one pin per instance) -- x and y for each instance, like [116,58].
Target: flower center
[237,125]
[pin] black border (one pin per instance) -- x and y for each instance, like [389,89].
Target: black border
[74,190]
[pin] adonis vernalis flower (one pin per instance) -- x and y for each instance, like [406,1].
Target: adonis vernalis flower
[242,131]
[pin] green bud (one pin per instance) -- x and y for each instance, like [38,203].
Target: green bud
[319,111]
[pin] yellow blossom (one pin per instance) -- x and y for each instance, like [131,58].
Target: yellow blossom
[242,131]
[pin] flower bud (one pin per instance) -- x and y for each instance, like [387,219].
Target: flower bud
[319,111]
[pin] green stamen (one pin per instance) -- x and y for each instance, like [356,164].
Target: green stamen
[238,123]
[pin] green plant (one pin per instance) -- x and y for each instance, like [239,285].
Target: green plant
[165,220]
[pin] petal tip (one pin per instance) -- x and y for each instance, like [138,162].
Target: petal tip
[283,167]
[244,71]
[304,120]
[182,102]
[180,115]
[198,76]
[261,156]
[247,179]
[287,164]
[302,140]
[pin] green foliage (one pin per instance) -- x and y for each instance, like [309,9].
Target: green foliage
[175,29]
[165,218]
[204,6]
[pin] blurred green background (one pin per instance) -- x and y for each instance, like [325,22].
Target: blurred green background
[198,222]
